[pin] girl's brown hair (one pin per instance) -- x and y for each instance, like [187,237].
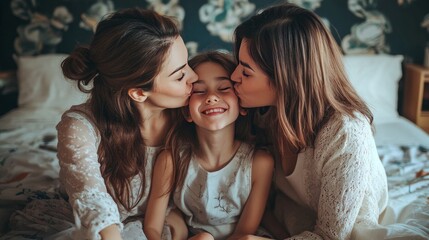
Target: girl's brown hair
[127,51]
[304,63]
[182,140]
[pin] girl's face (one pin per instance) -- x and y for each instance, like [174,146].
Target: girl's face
[173,85]
[213,104]
[252,85]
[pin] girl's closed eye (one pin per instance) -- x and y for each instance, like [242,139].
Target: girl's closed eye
[198,91]
[225,85]
[224,89]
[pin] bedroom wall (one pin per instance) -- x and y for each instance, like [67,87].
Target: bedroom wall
[31,27]
[34,27]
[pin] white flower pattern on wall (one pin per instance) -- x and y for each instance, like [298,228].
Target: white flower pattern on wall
[223,16]
[51,26]
[172,8]
[95,13]
[192,47]
[43,33]
[425,22]
[369,36]
[308,4]
[311,5]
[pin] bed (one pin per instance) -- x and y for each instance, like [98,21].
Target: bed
[29,167]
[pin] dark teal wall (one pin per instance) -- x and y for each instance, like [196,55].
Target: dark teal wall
[32,27]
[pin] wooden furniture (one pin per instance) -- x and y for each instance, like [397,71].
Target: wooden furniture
[416,95]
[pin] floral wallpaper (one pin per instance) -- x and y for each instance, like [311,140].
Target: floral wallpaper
[33,27]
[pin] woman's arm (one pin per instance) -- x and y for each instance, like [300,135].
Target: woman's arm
[80,175]
[262,172]
[343,152]
[159,196]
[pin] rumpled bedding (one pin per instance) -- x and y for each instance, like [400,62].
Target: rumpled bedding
[29,170]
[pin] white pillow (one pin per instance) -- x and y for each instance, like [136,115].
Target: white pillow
[42,84]
[375,78]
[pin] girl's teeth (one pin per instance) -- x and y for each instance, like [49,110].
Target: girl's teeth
[219,110]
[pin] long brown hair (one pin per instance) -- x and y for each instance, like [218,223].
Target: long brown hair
[126,51]
[304,63]
[182,140]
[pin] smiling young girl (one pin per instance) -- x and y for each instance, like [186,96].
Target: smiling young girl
[218,180]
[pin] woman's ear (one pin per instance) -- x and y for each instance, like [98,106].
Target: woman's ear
[186,114]
[137,94]
[243,111]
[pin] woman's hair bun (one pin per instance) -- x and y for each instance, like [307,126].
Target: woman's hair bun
[79,66]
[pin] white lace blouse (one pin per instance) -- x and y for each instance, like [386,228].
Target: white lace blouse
[338,187]
[80,176]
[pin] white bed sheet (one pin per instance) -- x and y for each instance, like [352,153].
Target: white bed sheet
[22,117]
[400,131]
[28,164]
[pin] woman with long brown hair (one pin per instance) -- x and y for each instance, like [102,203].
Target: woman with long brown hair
[329,180]
[137,63]
[137,66]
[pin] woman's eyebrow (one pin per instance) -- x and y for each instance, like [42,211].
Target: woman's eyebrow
[246,65]
[177,69]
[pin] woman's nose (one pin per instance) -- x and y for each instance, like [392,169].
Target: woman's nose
[193,76]
[235,76]
[212,99]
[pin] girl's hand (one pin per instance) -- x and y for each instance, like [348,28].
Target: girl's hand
[202,236]
[111,233]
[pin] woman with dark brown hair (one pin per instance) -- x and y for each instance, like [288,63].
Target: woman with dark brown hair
[330,182]
[137,65]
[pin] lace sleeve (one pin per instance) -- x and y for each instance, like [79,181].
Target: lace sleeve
[344,150]
[93,208]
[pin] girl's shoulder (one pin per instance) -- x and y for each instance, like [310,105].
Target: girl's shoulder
[255,155]
[246,150]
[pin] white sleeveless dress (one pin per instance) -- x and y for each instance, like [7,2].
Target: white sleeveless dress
[213,201]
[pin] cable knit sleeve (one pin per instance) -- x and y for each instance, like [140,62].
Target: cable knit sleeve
[93,208]
[343,151]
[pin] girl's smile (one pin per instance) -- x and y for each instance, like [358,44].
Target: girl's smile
[214,111]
